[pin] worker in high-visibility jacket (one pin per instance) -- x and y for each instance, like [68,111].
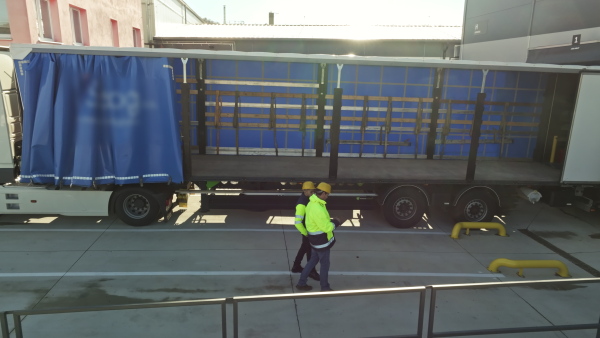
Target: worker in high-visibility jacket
[320,234]
[308,188]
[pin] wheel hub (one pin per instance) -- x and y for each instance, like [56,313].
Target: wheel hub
[136,206]
[476,210]
[404,208]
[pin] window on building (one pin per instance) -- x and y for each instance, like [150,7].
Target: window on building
[4,23]
[115,32]
[79,26]
[137,38]
[45,19]
[76,23]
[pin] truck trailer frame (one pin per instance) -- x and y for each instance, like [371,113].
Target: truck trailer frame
[410,133]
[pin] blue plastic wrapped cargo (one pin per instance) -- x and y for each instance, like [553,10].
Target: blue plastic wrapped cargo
[510,120]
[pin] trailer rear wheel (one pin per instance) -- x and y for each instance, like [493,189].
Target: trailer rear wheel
[475,206]
[137,207]
[404,208]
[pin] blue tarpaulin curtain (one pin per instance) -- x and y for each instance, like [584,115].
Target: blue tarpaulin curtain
[92,119]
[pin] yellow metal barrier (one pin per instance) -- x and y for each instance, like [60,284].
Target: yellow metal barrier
[477,225]
[182,200]
[553,152]
[549,263]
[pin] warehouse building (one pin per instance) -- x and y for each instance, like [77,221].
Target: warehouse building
[534,31]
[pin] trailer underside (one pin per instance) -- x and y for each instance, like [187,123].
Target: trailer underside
[366,170]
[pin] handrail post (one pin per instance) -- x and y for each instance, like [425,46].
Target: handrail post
[4,325]
[235,318]
[598,329]
[18,328]
[422,295]
[224,318]
[431,313]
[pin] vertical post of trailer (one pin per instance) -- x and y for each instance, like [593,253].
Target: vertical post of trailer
[334,131]
[321,100]
[185,125]
[435,111]
[201,106]
[201,128]
[476,130]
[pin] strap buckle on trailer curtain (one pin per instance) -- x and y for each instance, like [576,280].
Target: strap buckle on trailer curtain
[363,123]
[218,108]
[303,121]
[273,122]
[388,126]
[236,117]
[503,129]
[446,128]
[418,125]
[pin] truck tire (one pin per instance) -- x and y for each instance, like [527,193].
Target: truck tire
[475,206]
[404,208]
[136,207]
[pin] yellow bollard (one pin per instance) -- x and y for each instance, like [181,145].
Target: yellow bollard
[182,200]
[477,225]
[521,264]
[553,152]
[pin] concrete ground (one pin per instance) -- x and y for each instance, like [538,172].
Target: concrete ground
[55,262]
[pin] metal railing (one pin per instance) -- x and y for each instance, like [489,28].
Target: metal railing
[436,288]
[422,290]
[18,314]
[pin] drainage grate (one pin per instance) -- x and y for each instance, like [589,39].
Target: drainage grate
[561,253]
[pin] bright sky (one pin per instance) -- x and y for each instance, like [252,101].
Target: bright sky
[333,12]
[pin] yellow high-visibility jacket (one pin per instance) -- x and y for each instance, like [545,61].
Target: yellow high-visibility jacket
[318,224]
[300,212]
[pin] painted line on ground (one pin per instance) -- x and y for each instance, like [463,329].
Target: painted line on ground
[243,273]
[344,231]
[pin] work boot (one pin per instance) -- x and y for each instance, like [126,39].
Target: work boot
[314,275]
[327,289]
[297,268]
[304,287]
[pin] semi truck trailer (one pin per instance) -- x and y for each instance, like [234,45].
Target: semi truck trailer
[101,130]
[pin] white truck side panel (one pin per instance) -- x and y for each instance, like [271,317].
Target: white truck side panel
[5,148]
[582,163]
[6,154]
[39,200]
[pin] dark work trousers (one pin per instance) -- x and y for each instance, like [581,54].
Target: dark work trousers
[305,249]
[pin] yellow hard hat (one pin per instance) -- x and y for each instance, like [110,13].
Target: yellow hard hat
[308,185]
[324,187]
